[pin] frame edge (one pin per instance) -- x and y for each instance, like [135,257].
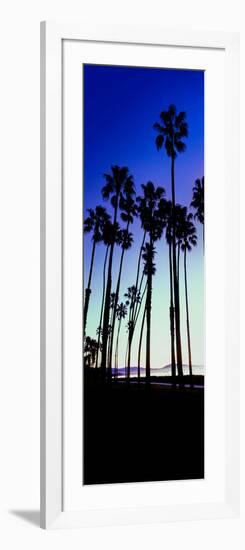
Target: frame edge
[52,515]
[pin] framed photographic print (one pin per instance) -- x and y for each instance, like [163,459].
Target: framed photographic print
[139,275]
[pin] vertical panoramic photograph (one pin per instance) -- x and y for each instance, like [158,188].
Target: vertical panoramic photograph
[143,274]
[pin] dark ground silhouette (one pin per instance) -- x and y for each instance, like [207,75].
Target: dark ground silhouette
[139,432]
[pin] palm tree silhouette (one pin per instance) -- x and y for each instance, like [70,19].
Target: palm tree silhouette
[198,201]
[113,304]
[121,313]
[150,270]
[110,233]
[152,223]
[94,223]
[140,341]
[90,351]
[133,300]
[188,239]
[179,214]
[166,212]
[118,183]
[171,131]
[125,240]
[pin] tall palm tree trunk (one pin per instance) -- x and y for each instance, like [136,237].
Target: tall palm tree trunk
[107,303]
[134,317]
[171,313]
[148,321]
[116,302]
[178,262]
[130,338]
[102,307]
[133,313]
[137,312]
[88,289]
[113,321]
[187,317]
[108,348]
[148,329]
[140,340]
[175,281]
[109,340]
[138,269]
[126,360]
[116,349]
[129,357]
[106,316]
[133,326]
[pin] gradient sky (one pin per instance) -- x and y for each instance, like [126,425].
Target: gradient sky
[120,106]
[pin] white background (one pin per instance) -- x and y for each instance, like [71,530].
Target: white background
[19,271]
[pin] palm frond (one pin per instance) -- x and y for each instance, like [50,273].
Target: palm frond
[159,141]
[180,146]
[158,127]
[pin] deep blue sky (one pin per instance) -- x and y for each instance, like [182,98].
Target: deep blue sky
[120,106]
